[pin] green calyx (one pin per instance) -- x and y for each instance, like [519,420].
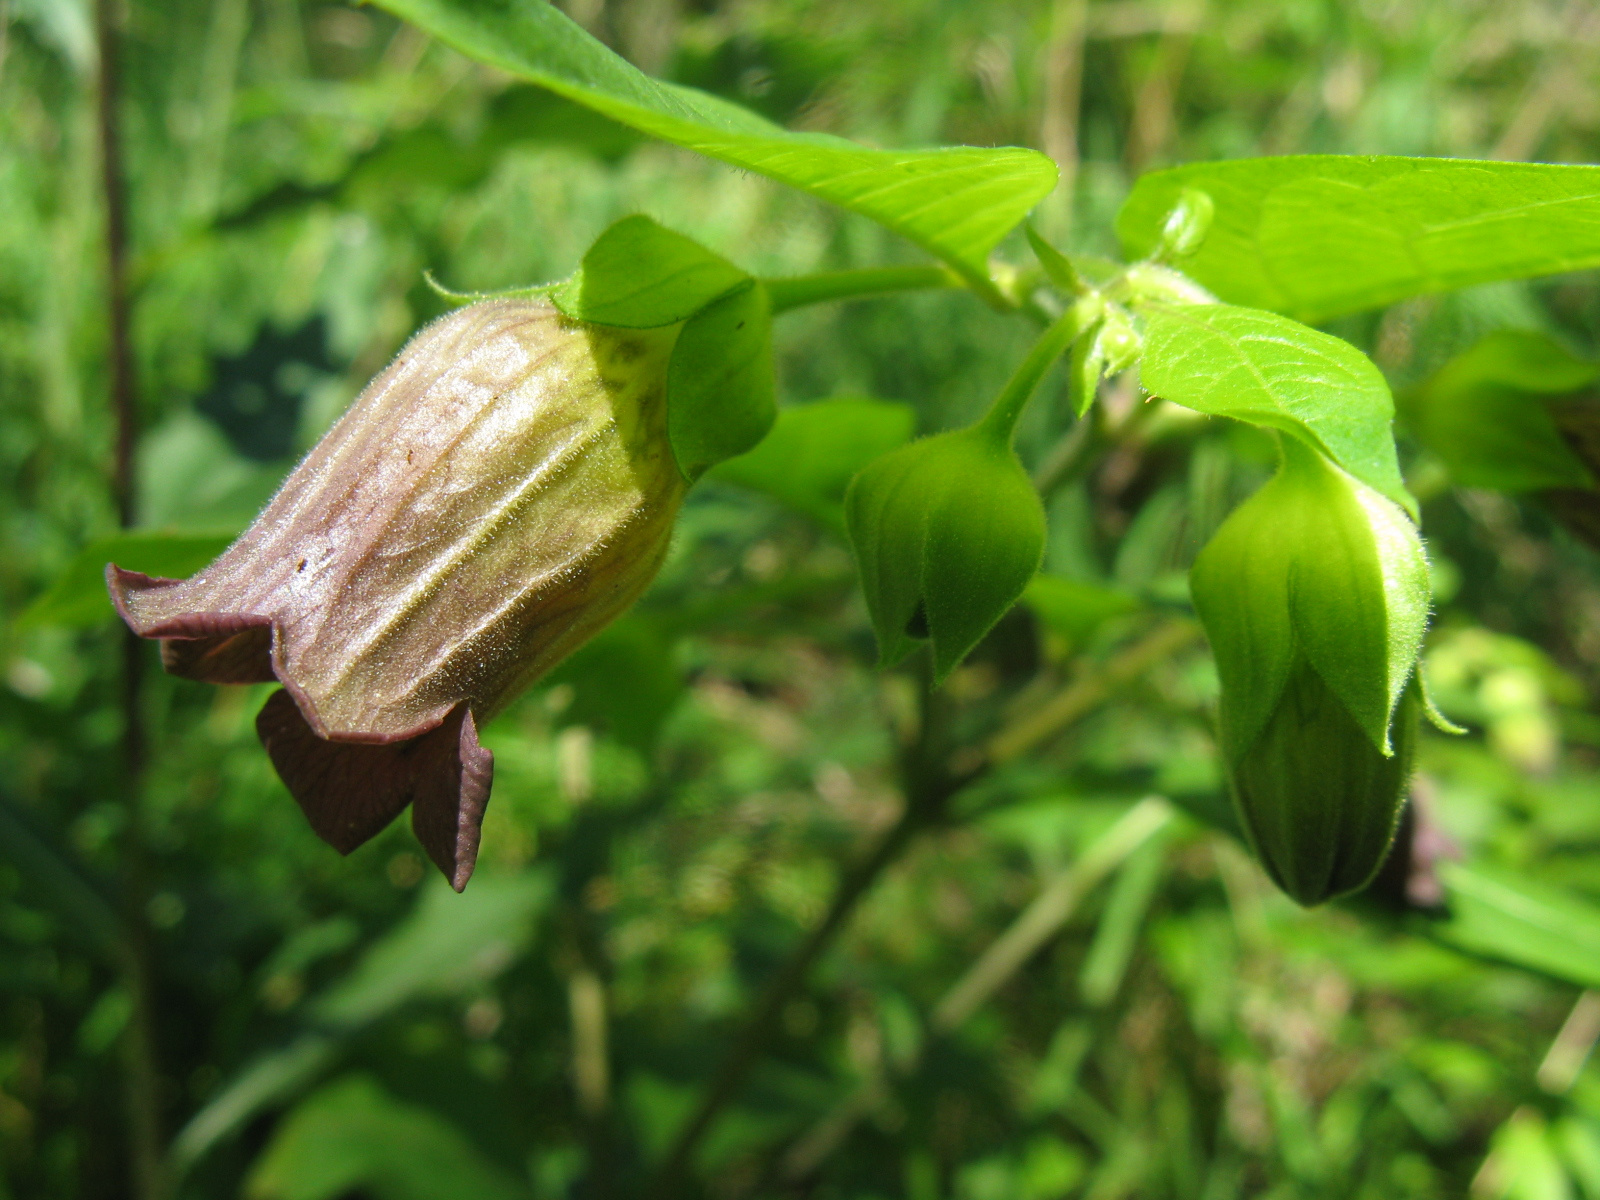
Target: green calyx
[1318,564]
[947,532]
[1314,595]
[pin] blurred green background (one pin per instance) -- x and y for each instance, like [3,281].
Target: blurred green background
[674,807]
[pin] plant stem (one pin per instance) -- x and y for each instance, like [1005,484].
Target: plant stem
[1001,419]
[797,291]
[1047,720]
[141,1074]
[928,788]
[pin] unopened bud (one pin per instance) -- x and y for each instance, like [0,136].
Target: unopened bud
[1314,595]
[947,532]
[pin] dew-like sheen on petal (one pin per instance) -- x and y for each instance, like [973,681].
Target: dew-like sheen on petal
[498,494]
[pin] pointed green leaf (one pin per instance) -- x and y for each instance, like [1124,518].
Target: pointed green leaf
[641,275]
[721,392]
[78,598]
[1270,371]
[1500,915]
[1314,236]
[956,203]
[1057,266]
[1485,413]
[352,1137]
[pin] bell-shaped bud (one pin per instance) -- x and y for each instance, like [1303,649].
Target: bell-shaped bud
[494,498]
[947,532]
[1314,595]
[1187,224]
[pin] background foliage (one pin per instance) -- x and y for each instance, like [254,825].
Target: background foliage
[675,806]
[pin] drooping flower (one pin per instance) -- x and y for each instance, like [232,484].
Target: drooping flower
[1314,595]
[498,494]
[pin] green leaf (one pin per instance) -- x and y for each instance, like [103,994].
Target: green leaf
[1500,915]
[721,390]
[956,203]
[814,450]
[1315,236]
[1270,371]
[78,598]
[449,943]
[1485,413]
[353,1137]
[947,532]
[640,275]
[1057,266]
[1073,610]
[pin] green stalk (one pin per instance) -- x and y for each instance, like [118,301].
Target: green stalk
[1001,419]
[799,290]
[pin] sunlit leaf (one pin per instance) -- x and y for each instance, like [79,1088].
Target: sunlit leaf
[1319,235]
[1273,372]
[640,275]
[956,203]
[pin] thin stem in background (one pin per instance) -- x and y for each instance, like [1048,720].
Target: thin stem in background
[1003,414]
[142,1081]
[1063,98]
[928,788]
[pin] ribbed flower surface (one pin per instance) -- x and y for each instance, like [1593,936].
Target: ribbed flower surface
[493,498]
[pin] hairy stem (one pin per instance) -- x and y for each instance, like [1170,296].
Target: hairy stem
[800,290]
[140,1070]
[1001,419]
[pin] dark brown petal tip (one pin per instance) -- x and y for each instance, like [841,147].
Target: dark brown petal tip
[206,646]
[350,791]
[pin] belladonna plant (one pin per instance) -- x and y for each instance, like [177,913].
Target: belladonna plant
[497,495]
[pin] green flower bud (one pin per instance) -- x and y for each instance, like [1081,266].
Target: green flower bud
[947,532]
[494,498]
[1314,595]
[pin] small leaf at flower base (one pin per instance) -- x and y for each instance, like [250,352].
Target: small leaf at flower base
[1487,413]
[1056,265]
[815,449]
[640,275]
[1187,224]
[721,392]
[1085,366]
[947,532]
